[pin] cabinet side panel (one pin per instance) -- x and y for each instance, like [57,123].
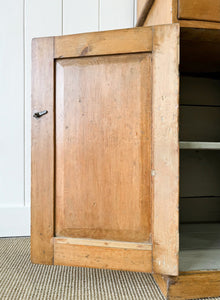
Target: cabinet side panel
[42,165]
[165,173]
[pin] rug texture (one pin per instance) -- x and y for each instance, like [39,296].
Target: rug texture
[19,279]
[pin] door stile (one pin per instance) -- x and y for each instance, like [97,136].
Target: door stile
[42,162]
[165,141]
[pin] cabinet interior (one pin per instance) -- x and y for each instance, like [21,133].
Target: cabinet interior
[199,136]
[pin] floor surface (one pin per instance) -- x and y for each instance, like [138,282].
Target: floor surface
[19,279]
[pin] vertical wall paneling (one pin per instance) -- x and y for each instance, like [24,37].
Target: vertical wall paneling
[80,16]
[12,111]
[135,12]
[42,18]
[116,14]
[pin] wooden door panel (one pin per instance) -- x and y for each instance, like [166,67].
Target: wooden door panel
[111,133]
[103,147]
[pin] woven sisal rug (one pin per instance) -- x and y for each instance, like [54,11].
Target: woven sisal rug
[19,279]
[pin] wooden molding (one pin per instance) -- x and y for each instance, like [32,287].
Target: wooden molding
[104,243]
[145,11]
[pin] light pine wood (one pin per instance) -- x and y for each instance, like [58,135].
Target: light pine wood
[140,6]
[100,117]
[199,24]
[42,166]
[165,174]
[105,243]
[166,12]
[103,147]
[199,54]
[175,11]
[129,259]
[190,285]
[106,42]
[201,10]
[163,283]
[156,12]
[160,13]
[143,8]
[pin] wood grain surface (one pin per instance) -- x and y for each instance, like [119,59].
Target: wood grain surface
[103,147]
[104,167]
[143,8]
[201,10]
[104,43]
[194,14]
[92,256]
[165,141]
[190,285]
[42,155]
[160,13]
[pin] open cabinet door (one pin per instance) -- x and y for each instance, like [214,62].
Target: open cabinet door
[105,150]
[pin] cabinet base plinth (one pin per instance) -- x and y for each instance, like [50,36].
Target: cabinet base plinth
[190,285]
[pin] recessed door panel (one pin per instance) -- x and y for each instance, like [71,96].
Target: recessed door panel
[103,147]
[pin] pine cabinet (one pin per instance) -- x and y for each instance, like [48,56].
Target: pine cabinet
[125,154]
[188,13]
[199,143]
[105,159]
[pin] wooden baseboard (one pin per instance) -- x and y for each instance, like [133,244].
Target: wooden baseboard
[190,285]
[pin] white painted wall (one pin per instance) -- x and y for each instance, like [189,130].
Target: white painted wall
[20,21]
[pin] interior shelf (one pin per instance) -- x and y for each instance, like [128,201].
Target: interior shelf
[199,247]
[200,145]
